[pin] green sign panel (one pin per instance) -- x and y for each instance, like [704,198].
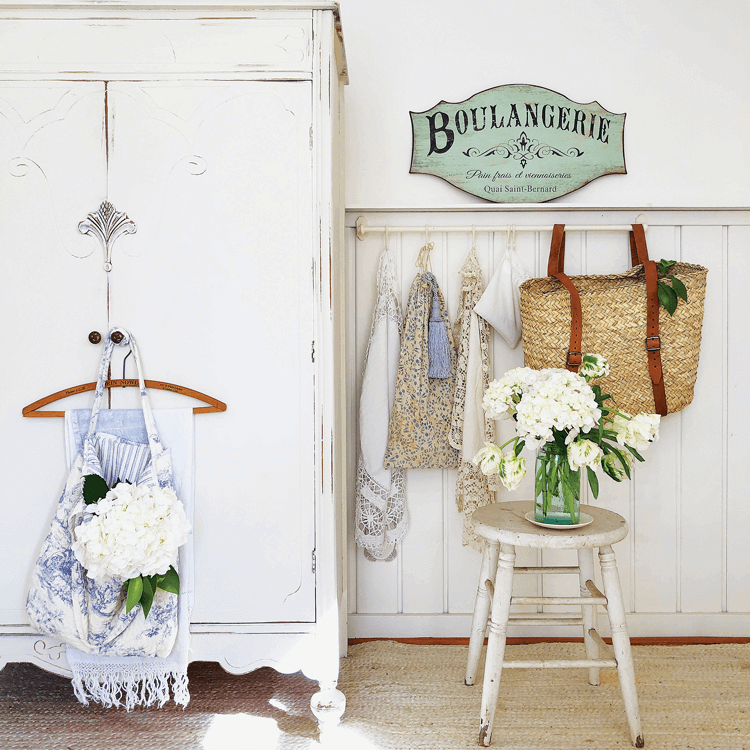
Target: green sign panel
[518,144]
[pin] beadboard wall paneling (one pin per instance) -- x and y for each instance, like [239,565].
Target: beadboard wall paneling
[685,566]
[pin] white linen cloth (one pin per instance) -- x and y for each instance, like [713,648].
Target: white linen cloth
[380,503]
[500,304]
[475,430]
[470,427]
[138,680]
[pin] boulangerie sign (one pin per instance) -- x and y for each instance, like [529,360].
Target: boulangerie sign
[518,144]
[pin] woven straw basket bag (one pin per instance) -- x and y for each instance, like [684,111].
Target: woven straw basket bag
[653,358]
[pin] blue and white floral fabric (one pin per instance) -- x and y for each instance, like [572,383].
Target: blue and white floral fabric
[117,658]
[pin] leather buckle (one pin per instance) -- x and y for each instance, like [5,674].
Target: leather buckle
[653,348]
[571,362]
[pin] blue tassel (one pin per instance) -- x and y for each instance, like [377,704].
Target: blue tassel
[437,343]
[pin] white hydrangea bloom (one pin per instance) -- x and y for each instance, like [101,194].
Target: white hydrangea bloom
[134,530]
[638,432]
[584,453]
[563,401]
[593,366]
[502,396]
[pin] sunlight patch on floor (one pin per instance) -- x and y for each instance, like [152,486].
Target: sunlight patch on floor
[241,732]
[344,738]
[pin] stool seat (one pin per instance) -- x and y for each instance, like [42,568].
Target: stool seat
[505,523]
[504,527]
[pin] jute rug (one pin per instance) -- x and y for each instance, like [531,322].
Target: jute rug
[406,697]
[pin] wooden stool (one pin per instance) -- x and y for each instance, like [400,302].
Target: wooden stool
[504,528]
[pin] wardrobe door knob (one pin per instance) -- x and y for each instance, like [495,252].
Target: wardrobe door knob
[95,337]
[117,337]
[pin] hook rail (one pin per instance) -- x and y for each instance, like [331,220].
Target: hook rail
[363,229]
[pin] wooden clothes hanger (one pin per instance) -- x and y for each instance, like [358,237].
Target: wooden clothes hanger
[35,410]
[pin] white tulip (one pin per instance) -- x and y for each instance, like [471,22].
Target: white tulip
[584,453]
[488,459]
[593,366]
[512,470]
[613,466]
[638,432]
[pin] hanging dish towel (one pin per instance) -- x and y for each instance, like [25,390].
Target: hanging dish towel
[381,518]
[422,405]
[500,304]
[117,658]
[469,426]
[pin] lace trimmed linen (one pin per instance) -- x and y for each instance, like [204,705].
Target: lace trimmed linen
[380,504]
[470,427]
[422,406]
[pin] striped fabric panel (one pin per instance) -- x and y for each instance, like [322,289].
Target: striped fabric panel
[124,460]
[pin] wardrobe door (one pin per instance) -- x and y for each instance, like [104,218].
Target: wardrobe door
[216,286]
[52,294]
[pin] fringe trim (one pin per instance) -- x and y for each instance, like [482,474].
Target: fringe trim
[114,687]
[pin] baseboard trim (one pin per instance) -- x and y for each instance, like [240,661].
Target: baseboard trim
[680,641]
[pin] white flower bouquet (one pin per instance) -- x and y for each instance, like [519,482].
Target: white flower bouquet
[569,422]
[131,532]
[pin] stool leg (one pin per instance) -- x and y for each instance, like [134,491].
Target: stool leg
[621,642]
[481,608]
[493,666]
[589,613]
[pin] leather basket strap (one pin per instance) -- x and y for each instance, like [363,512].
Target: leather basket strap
[638,249]
[574,358]
[556,260]
[555,266]
[638,254]
[653,342]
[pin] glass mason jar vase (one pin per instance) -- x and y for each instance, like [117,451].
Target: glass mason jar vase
[557,487]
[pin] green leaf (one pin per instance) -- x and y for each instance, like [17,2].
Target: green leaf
[624,461]
[635,453]
[170,581]
[665,265]
[135,590]
[667,297]
[593,482]
[147,597]
[520,445]
[559,437]
[94,489]
[610,472]
[679,287]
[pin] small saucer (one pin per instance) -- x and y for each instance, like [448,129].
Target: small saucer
[586,519]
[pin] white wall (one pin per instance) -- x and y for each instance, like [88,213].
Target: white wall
[680,69]
[685,566]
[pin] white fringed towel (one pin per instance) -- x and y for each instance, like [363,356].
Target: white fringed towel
[381,517]
[131,681]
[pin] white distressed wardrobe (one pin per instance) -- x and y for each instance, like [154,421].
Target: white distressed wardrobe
[216,129]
